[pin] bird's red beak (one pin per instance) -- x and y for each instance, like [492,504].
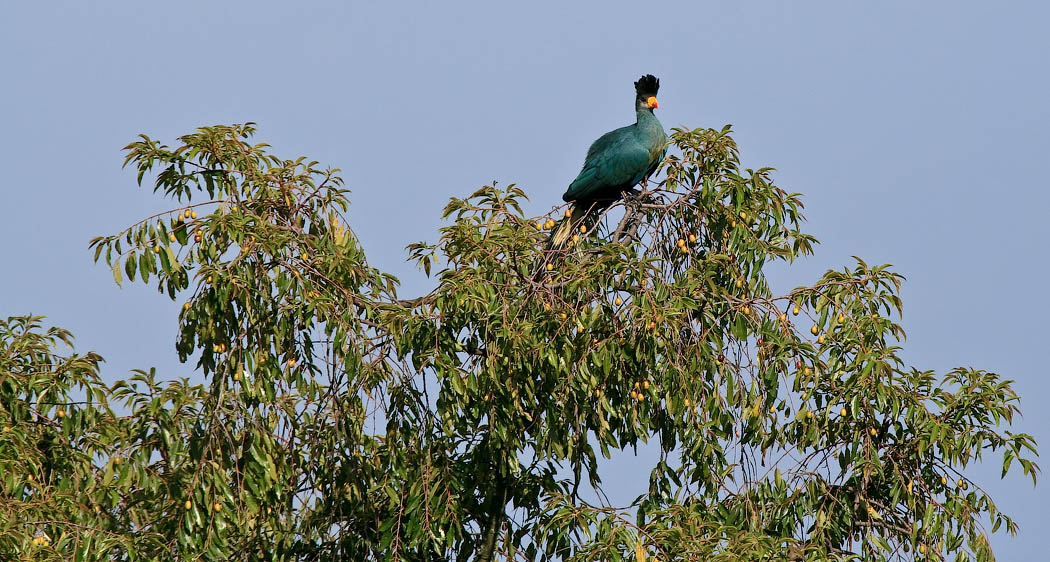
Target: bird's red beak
[652,102]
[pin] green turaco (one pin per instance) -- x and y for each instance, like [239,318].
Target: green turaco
[615,163]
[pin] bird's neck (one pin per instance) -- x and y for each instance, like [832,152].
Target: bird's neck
[646,119]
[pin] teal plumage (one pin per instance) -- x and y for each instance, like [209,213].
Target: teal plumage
[617,161]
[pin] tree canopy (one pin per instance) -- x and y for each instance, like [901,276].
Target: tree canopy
[334,418]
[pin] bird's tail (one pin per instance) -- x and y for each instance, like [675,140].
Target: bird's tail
[576,221]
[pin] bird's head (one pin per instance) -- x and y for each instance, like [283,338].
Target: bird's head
[646,88]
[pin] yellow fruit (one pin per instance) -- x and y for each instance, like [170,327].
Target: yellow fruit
[874,432]
[157,248]
[575,238]
[186,306]
[61,413]
[692,238]
[795,311]
[116,460]
[210,279]
[809,414]
[550,267]
[944,480]
[217,506]
[97,509]
[618,301]
[843,412]
[547,306]
[598,392]
[193,214]
[922,549]
[783,317]
[291,363]
[681,242]
[188,504]
[237,376]
[732,224]
[820,339]
[739,283]
[583,228]
[645,385]
[637,384]
[743,215]
[568,212]
[540,225]
[746,309]
[173,238]
[641,397]
[772,409]
[563,315]
[842,318]
[961,483]
[814,330]
[688,402]
[634,395]
[807,371]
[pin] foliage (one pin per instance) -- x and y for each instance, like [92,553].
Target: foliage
[340,421]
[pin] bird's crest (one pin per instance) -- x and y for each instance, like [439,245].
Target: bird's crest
[647,86]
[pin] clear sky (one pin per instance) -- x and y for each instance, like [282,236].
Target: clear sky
[916,130]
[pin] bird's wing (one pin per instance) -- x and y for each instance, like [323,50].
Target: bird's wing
[615,162]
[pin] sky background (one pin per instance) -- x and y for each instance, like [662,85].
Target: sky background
[918,133]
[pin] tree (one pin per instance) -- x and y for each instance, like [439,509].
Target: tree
[338,420]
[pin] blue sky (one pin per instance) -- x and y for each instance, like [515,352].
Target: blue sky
[917,132]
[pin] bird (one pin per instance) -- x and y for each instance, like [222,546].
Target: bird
[615,163]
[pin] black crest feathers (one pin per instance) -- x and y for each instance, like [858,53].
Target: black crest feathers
[647,86]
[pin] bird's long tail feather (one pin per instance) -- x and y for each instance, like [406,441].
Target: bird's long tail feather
[578,219]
